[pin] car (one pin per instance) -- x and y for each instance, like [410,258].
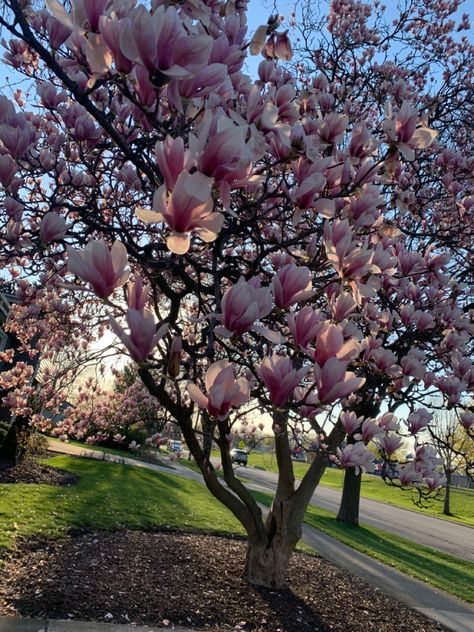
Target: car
[239,456]
[175,446]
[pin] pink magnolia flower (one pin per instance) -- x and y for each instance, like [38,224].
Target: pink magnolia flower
[404,132]
[310,404]
[334,382]
[282,48]
[188,209]
[388,421]
[8,169]
[370,429]
[350,421]
[419,419]
[466,419]
[243,304]
[110,28]
[408,475]
[52,227]
[159,42]
[143,336]
[138,294]
[330,344]
[343,306]
[305,326]
[223,390]
[356,455]
[102,268]
[174,357]
[280,377]
[390,443]
[292,284]
[171,159]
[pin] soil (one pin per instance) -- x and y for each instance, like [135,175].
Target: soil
[30,471]
[170,578]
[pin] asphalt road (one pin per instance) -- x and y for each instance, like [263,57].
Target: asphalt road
[440,534]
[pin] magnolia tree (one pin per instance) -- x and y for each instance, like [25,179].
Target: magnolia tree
[243,239]
[422,55]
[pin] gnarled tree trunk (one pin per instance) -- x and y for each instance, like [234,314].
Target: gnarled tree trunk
[266,562]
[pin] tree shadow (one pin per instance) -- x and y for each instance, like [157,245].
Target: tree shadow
[293,612]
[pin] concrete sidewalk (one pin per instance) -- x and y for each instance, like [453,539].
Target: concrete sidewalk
[453,613]
[14,624]
[439,606]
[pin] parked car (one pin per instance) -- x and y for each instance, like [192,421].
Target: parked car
[239,456]
[175,446]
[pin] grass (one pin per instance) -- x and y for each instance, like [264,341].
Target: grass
[46,511]
[373,487]
[443,571]
[109,496]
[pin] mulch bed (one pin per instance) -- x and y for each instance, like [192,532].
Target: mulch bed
[30,471]
[169,578]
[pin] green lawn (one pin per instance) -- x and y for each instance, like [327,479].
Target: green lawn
[373,487]
[448,573]
[109,496]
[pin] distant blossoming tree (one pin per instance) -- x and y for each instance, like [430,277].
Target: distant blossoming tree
[249,242]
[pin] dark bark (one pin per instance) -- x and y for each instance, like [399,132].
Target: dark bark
[349,507]
[350,500]
[14,441]
[447,494]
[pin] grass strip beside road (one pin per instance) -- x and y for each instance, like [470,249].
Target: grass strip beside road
[443,571]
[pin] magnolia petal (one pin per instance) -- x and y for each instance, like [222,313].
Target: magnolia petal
[148,216]
[222,332]
[196,395]
[98,55]
[59,12]
[178,243]
[423,137]
[407,152]
[258,40]
[271,336]
[325,207]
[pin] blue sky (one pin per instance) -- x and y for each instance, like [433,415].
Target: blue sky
[258,13]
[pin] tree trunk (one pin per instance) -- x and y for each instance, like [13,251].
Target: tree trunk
[349,507]
[447,494]
[266,563]
[13,446]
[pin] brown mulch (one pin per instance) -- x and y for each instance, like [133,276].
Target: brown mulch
[30,471]
[193,580]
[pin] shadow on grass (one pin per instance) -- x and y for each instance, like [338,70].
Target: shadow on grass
[108,496]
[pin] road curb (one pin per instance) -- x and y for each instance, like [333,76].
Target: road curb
[20,624]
